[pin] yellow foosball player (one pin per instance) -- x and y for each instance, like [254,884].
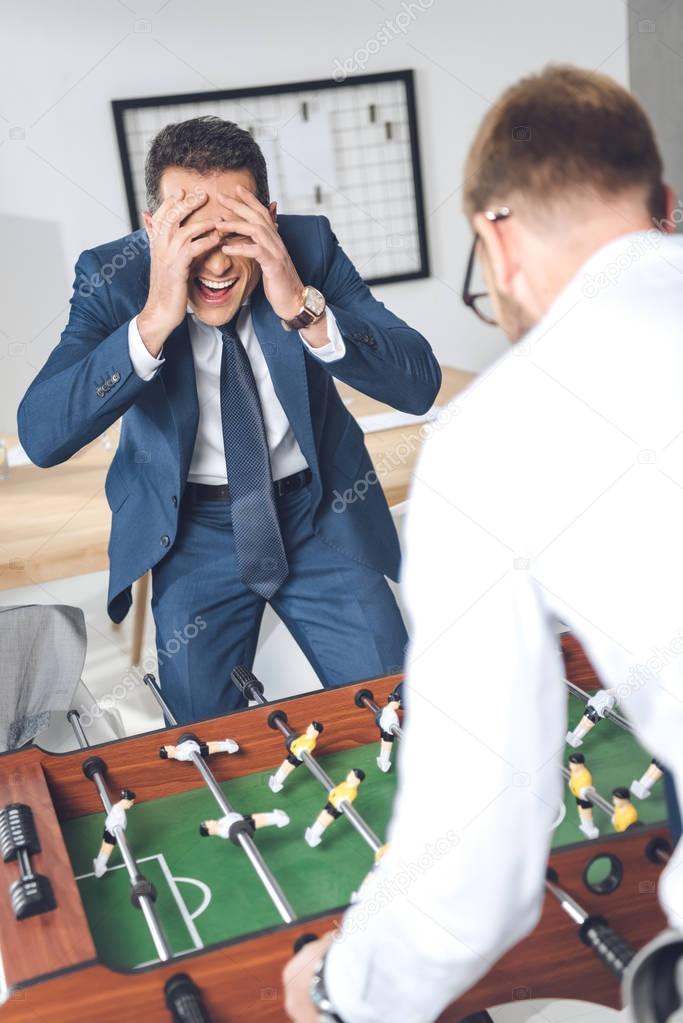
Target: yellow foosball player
[304,743]
[362,891]
[346,792]
[580,781]
[625,813]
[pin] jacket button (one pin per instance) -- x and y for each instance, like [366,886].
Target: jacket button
[174,501]
[100,392]
[165,540]
[116,377]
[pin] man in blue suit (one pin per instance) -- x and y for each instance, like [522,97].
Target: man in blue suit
[217,332]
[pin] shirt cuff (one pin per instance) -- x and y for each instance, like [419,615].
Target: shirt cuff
[144,363]
[336,349]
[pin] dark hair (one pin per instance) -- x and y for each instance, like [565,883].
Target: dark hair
[204,144]
[318,727]
[621,793]
[358,773]
[559,131]
[127,794]
[577,758]
[394,697]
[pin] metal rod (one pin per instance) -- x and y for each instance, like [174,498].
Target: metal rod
[592,796]
[611,714]
[354,818]
[371,705]
[569,905]
[246,842]
[161,944]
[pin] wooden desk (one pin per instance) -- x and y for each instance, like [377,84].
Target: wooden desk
[55,522]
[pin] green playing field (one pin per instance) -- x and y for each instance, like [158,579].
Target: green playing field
[208,892]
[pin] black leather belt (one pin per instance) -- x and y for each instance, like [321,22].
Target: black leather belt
[287,485]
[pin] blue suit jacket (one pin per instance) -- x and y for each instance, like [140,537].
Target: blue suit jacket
[88,382]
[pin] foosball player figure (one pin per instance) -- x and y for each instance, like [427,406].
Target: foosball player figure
[599,705]
[387,720]
[346,792]
[116,818]
[580,779]
[304,743]
[223,827]
[643,786]
[625,813]
[359,895]
[184,750]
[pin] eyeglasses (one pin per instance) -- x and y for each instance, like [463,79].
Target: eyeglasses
[480,301]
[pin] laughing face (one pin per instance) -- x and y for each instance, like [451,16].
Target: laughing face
[218,283]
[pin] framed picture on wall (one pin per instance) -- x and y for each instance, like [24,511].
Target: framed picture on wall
[346,149]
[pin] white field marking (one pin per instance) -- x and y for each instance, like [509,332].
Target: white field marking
[205,890]
[188,919]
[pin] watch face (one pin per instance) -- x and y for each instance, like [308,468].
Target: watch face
[314,302]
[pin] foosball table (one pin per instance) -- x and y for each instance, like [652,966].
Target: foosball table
[182,926]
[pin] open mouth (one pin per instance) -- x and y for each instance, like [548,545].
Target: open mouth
[214,292]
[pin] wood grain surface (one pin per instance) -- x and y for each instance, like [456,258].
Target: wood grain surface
[60,938]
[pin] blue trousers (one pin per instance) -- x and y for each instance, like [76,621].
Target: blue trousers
[342,614]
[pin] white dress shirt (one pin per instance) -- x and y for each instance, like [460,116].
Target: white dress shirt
[208,458]
[551,491]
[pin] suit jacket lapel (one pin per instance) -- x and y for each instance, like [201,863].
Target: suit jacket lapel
[284,354]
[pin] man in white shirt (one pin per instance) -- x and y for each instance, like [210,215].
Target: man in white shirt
[553,493]
[241,478]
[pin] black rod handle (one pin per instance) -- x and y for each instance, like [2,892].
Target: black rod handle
[610,948]
[184,1000]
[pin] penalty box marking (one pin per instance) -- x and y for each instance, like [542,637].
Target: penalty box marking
[171,881]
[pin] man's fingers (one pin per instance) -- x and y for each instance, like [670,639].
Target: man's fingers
[197,227]
[168,218]
[238,226]
[202,245]
[258,215]
[251,250]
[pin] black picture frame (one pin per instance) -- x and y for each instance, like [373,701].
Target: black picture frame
[406,77]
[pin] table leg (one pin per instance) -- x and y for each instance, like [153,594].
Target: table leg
[139,616]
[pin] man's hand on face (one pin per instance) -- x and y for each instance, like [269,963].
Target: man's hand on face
[173,246]
[259,240]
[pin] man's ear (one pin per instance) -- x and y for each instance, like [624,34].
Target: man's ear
[668,224]
[498,263]
[272,209]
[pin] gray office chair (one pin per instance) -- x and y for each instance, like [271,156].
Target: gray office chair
[42,652]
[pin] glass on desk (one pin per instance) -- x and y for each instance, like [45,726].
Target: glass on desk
[4,461]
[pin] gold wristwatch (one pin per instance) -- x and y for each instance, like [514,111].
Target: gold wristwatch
[312,309]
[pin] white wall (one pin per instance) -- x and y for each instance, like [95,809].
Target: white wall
[656,72]
[64,60]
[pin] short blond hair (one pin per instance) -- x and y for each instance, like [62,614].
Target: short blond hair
[560,131]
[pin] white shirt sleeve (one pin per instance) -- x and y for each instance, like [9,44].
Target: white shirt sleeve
[144,363]
[336,349]
[478,768]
